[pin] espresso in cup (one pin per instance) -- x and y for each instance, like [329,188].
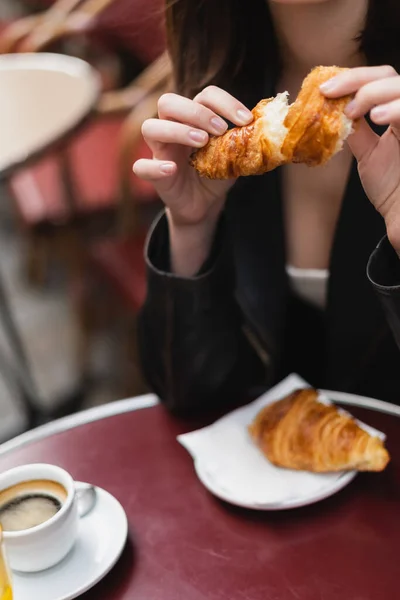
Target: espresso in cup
[30,503]
[40,507]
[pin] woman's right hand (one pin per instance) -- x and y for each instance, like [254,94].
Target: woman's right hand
[184,125]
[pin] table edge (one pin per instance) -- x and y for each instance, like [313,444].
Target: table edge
[150,400]
[363,402]
[80,418]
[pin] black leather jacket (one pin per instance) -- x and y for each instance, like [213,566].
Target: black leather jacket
[210,339]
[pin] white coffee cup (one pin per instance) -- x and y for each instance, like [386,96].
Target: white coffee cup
[45,545]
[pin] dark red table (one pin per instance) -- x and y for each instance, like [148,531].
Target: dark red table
[186,545]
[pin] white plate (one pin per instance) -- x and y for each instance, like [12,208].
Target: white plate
[231,467]
[212,486]
[102,537]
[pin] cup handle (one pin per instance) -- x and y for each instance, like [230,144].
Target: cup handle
[86,497]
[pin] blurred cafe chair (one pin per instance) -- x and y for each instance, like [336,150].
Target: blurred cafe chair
[89,184]
[72,193]
[116,270]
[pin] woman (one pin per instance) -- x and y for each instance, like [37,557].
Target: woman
[253,279]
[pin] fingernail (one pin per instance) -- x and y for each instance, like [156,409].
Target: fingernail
[199,137]
[328,86]
[167,168]
[219,125]
[244,116]
[351,108]
[379,113]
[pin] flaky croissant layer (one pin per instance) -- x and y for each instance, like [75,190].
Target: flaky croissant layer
[302,433]
[309,131]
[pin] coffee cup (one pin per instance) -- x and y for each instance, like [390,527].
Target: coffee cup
[40,508]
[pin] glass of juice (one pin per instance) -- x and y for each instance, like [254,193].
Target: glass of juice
[5,573]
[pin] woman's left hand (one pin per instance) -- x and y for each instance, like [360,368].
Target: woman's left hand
[377,90]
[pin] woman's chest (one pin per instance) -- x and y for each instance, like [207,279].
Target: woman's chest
[257,223]
[312,200]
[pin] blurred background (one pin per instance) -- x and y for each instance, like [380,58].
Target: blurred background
[73,220]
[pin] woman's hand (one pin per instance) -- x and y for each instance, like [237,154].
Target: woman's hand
[193,204]
[377,90]
[182,126]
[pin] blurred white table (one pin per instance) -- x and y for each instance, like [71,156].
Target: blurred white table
[44,98]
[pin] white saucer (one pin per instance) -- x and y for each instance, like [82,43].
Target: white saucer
[102,537]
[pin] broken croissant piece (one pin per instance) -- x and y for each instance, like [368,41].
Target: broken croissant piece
[310,131]
[300,432]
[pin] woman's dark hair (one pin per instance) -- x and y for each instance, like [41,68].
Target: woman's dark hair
[230,43]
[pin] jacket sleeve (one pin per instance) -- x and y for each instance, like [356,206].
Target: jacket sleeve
[383,271]
[192,346]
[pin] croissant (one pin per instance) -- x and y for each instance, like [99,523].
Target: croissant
[310,131]
[301,433]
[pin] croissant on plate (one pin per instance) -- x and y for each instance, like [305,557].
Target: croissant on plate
[300,432]
[310,131]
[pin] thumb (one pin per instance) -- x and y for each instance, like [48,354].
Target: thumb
[363,141]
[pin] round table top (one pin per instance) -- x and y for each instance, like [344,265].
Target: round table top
[186,544]
[43,97]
